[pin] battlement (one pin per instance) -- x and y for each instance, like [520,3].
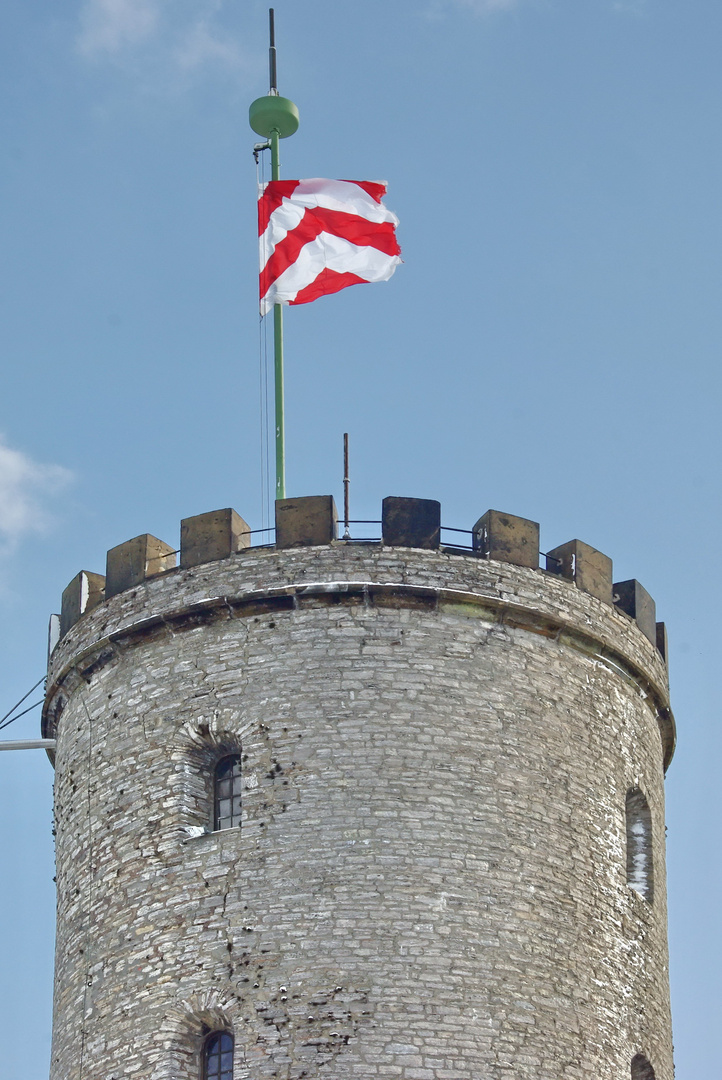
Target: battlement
[405,522]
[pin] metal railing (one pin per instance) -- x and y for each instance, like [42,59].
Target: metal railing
[347,535]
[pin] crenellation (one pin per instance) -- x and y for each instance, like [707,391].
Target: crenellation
[507,538]
[633,598]
[306,522]
[215,535]
[312,521]
[84,593]
[414,523]
[132,562]
[588,568]
[661,640]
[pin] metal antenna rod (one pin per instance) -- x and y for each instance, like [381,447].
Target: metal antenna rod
[275,118]
[272,74]
[346,482]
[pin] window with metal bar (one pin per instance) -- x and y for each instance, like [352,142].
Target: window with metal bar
[227,792]
[641,1068]
[218,1056]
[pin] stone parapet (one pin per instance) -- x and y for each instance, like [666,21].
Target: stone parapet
[312,521]
[271,579]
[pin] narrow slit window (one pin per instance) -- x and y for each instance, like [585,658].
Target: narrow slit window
[640,865]
[227,792]
[218,1056]
[641,1068]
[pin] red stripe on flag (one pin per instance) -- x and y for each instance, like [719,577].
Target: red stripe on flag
[373,188]
[351,227]
[273,195]
[328,281]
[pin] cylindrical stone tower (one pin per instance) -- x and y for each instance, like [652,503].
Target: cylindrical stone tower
[448,769]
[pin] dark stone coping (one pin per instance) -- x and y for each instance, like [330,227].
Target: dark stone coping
[423,597]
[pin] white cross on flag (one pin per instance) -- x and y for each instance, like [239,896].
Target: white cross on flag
[318,236]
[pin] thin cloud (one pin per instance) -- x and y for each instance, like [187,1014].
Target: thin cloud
[481,7]
[109,26]
[27,487]
[160,39]
[203,44]
[492,7]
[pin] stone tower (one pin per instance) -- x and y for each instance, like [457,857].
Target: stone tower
[359,810]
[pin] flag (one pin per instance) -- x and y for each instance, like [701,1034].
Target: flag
[318,236]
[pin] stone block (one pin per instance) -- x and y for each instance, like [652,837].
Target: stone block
[588,568]
[414,523]
[662,641]
[84,592]
[306,522]
[132,562]
[633,598]
[211,536]
[507,538]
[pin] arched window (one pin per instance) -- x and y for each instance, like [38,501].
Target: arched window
[640,867]
[227,792]
[218,1056]
[641,1069]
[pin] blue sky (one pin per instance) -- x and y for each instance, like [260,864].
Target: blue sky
[550,346]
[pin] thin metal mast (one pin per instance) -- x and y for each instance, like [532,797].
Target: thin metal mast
[278,340]
[346,482]
[277,308]
[272,75]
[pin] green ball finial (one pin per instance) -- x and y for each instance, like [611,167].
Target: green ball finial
[273,113]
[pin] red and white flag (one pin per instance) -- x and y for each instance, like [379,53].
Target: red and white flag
[318,236]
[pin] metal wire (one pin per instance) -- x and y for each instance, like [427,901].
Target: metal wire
[18,715]
[263,381]
[10,712]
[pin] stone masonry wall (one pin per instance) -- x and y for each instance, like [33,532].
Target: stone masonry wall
[429,882]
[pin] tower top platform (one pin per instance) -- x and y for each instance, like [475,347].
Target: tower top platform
[496,578]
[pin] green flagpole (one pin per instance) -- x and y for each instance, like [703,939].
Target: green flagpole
[276,118]
[278,356]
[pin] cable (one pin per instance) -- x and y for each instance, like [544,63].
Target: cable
[259,168]
[263,373]
[29,708]
[22,699]
[267,426]
[261,413]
